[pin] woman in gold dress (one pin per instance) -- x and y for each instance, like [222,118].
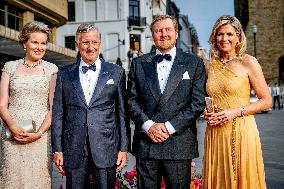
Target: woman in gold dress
[232,155]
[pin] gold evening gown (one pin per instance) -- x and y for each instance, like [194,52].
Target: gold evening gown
[27,166]
[232,152]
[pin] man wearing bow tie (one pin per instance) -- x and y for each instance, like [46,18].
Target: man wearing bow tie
[90,132]
[166,91]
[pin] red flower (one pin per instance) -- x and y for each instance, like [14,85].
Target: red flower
[198,183]
[130,175]
[163,184]
[118,182]
[130,181]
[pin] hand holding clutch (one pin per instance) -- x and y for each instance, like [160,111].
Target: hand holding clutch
[27,125]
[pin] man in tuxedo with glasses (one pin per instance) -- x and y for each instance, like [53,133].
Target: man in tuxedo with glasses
[90,132]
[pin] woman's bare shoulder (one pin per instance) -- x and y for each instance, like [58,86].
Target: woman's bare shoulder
[248,60]
[251,64]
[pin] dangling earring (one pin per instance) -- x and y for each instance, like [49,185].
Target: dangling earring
[25,49]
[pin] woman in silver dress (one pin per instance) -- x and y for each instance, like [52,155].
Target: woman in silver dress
[26,93]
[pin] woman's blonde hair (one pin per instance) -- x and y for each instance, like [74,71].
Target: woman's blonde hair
[33,27]
[240,46]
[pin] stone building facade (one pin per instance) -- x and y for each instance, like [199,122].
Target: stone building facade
[14,14]
[268,17]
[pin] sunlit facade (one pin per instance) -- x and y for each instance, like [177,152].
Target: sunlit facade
[14,14]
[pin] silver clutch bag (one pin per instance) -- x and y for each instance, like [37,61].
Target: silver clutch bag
[28,125]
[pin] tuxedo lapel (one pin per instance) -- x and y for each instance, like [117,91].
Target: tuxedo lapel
[150,71]
[175,77]
[75,79]
[104,75]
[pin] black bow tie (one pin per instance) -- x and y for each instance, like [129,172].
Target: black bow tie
[86,68]
[159,57]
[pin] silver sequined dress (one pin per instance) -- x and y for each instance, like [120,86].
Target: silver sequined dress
[27,166]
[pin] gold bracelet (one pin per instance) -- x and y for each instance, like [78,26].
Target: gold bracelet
[242,111]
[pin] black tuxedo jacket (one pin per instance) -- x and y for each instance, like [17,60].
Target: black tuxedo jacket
[181,104]
[103,119]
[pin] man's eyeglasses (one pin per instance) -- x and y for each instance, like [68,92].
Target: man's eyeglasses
[87,43]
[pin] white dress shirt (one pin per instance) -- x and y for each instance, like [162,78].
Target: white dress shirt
[163,70]
[277,89]
[89,79]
